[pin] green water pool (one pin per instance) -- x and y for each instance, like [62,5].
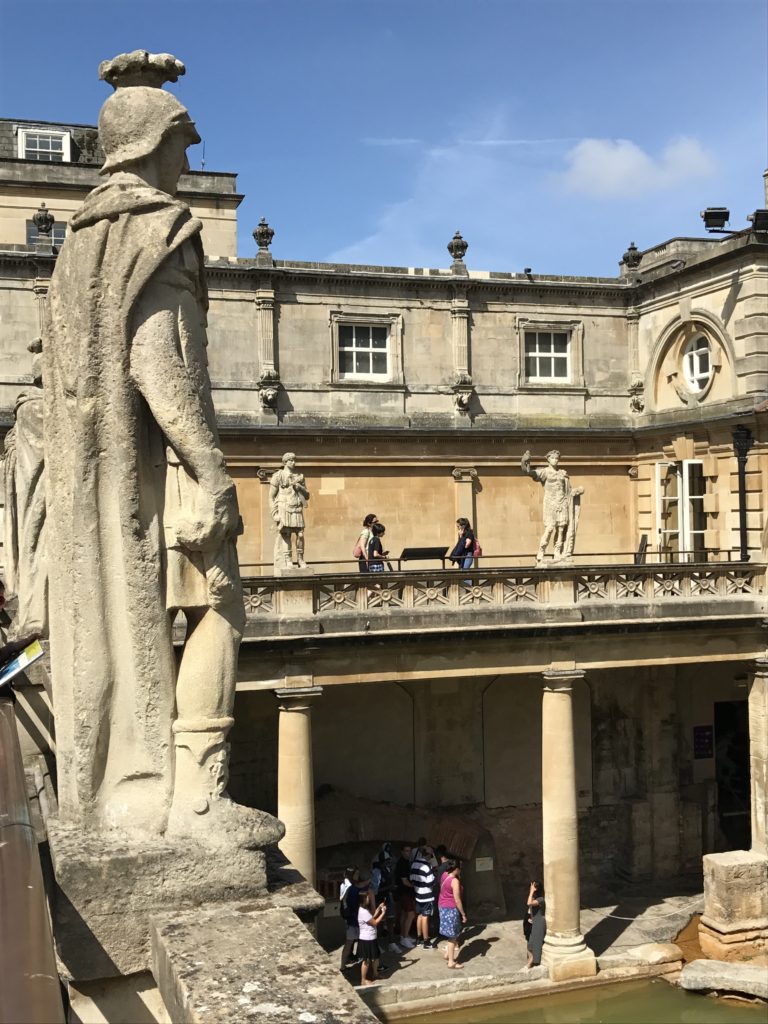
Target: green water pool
[646,1002]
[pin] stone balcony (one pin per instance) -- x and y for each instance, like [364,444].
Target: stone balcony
[341,603]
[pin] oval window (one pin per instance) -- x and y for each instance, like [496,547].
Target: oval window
[697,363]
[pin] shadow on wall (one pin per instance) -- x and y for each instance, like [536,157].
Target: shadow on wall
[347,825]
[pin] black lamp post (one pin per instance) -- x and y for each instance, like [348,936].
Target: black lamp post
[742,442]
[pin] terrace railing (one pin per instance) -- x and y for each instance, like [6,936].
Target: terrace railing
[505,593]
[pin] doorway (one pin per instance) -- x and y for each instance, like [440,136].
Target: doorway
[732,772]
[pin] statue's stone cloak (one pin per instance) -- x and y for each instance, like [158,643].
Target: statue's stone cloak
[26,558]
[112,657]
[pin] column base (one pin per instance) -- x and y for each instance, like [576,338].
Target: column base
[735,944]
[568,957]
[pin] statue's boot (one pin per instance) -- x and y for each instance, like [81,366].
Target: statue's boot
[201,808]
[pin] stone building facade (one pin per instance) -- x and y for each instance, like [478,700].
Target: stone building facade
[412,393]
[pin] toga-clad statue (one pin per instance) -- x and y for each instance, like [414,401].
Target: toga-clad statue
[562,507]
[142,513]
[25,532]
[288,497]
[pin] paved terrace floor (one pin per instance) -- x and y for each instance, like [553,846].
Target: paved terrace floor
[494,954]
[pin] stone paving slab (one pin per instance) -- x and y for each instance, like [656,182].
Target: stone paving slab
[222,965]
[494,954]
[726,977]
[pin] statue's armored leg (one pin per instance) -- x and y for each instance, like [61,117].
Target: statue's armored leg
[541,554]
[300,550]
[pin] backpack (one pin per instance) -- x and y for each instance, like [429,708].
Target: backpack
[477,550]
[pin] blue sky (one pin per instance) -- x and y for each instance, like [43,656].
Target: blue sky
[550,132]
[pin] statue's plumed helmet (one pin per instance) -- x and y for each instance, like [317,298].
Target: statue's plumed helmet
[139,115]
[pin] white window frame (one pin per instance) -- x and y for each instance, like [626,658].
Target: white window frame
[392,322]
[685,530]
[65,136]
[538,354]
[56,237]
[574,331]
[698,382]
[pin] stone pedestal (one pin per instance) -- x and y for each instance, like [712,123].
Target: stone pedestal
[295,785]
[108,885]
[565,952]
[734,925]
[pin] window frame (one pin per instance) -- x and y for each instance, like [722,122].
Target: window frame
[687,532]
[392,322]
[574,331]
[23,132]
[690,355]
[58,224]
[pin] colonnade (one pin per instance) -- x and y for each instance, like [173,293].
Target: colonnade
[565,950]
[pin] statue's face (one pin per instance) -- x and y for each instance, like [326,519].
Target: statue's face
[290,464]
[553,460]
[171,158]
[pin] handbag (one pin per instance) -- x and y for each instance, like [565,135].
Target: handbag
[477,550]
[357,550]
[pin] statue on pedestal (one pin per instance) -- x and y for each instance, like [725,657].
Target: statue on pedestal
[142,513]
[26,571]
[562,507]
[288,497]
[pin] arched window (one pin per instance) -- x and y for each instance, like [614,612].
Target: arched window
[697,363]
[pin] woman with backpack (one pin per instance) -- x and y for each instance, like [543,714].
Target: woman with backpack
[360,550]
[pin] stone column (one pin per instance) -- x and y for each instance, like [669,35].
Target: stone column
[265,328]
[734,925]
[758,755]
[465,477]
[295,785]
[565,952]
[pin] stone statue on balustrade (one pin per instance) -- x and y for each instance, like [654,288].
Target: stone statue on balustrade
[562,507]
[288,497]
[25,532]
[141,512]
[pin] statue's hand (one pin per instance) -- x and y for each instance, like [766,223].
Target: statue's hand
[217,519]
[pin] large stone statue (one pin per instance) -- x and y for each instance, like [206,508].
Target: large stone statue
[141,511]
[288,497]
[26,573]
[562,507]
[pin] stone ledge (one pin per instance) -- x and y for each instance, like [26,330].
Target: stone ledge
[716,976]
[108,886]
[218,965]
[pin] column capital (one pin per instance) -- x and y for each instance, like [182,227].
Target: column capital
[761,665]
[294,698]
[561,679]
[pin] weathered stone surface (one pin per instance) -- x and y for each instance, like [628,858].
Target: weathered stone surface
[220,965]
[108,887]
[656,953]
[715,976]
[735,890]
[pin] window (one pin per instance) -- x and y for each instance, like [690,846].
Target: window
[363,351]
[547,356]
[43,144]
[56,236]
[682,519]
[697,363]
[366,349]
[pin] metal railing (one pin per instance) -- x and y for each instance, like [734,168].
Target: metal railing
[30,992]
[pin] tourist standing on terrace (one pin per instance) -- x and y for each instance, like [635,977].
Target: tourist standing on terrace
[464,550]
[422,880]
[451,910]
[360,550]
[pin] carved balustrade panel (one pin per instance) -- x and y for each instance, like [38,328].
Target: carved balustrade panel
[259,600]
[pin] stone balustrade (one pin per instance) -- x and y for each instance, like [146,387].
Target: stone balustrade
[394,600]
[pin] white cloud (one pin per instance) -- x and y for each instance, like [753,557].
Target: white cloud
[618,168]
